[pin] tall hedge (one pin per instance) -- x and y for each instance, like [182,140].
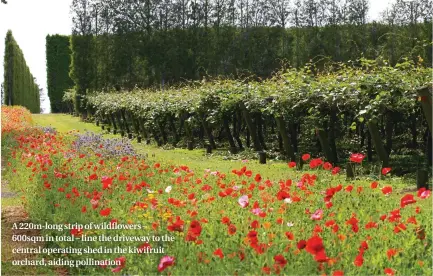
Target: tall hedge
[128,59]
[82,68]
[58,54]
[19,85]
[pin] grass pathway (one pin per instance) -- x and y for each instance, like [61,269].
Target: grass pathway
[196,159]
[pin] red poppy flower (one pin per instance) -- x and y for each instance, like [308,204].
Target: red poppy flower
[391,253]
[76,232]
[374,184]
[266,270]
[370,225]
[336,170]
[338,273]
[143,248]
[314,163]
[357,157]
[412,220]
[314,245]
[387,190]
[292,164]
[290,236]
[359,260]
[280,260]
[176,226]
[305,156]
[106,182]
[389,271]
[219,253]
[385,171]
[232,229]
[258,178]
[406,200]
[327,166]
[122,261]
[105,212]
[225,220]
[255,224]
[301,244]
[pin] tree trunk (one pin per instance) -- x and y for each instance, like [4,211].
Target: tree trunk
[389,127]
[162,130]
[323,139]
[332,128]
[288,150]
[426,103]
[259,123]
[125,122]
[294,136]
[228,133]
[377,141]
[208,132]
[173,130]
[251,128]
[237,121]
[369,150]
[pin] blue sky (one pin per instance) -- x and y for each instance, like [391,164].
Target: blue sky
[32,20]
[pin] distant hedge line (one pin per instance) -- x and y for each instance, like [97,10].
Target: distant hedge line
[58,80]
[163,58]
[20,87]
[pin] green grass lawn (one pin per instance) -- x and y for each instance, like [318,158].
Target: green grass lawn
[196,159]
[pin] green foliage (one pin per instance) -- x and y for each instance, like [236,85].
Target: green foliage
[128,58]
[19,85]
[360,93]
[58,81]
[81,69]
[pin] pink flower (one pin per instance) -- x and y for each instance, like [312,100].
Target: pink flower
[256,211]
[424,193]
[243,201]
[165,262]
[317,215]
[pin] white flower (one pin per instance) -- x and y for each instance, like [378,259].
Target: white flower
[288,200]
[290,224]
[168,189]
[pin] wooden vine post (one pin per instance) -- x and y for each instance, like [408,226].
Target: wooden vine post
[208,131]
[229,136]
[426,103]
[251,127]
[288,150]
[323,139]
[377,142]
